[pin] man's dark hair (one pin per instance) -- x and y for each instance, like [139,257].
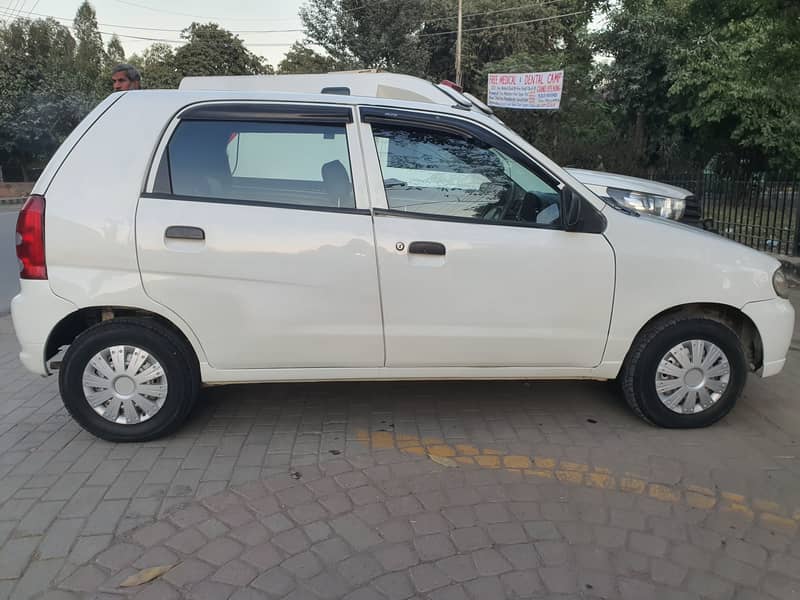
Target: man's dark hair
[129,70]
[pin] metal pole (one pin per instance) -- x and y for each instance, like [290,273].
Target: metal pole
[458,47]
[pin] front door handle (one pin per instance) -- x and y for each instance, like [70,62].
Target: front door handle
[184,232]
[431,248]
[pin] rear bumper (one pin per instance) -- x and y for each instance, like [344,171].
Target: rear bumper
[35,311]
[774,320]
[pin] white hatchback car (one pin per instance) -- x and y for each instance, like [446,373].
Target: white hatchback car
[379,228]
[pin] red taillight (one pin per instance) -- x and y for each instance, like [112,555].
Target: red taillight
[30,239]
[452,84]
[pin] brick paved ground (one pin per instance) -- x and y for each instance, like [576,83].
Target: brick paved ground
[544,490]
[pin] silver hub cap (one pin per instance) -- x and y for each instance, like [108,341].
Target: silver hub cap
[125,385]
[692,376]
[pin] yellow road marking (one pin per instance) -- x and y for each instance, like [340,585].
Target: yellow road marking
[769,513]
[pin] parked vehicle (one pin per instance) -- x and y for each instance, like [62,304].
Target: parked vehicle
[370,227]
[643,195]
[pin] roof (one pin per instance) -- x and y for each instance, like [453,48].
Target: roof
[368,84]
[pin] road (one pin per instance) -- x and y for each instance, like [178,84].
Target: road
[9,280]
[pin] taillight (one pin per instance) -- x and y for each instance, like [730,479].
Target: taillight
[30,239]
[452,84]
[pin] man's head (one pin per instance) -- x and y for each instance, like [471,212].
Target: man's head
[125,77]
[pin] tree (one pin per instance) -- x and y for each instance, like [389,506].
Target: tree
[696,80]
[417,36]
[90,56]
[302,59]
[115,53]
[736,91]
[158,67]
[212,50]
[40,102]
[371,34]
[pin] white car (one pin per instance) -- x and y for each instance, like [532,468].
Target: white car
[362,226]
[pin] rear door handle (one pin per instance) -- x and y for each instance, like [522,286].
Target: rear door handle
[432,248]
[184,232]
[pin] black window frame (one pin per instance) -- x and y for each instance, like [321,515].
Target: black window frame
[595,223]
[307,114]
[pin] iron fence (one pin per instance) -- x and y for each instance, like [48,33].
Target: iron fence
[759,209]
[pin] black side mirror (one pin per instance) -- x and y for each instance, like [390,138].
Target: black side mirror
[570,209]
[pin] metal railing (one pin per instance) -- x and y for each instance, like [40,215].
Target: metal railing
[758,209]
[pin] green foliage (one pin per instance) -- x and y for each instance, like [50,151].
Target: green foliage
[301,59]
[90,56]
[212,50]
[696,80]
[738,89]
[40,96]
[115,53]
[370,34]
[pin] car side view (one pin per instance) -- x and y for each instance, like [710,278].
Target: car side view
[363,226]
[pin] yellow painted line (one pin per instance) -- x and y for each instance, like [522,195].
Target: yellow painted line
[768,513]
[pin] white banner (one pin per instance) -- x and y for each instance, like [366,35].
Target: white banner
[526,90]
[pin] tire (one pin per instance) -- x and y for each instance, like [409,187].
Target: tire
[175,392]
[641,370]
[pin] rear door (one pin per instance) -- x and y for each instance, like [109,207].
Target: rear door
[256,231]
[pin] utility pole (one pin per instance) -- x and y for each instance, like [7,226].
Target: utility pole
[458,47]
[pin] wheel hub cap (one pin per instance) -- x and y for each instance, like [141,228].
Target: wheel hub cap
[125,385]
[692,376]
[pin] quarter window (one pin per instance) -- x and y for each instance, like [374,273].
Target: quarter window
[284,163]
[442,173]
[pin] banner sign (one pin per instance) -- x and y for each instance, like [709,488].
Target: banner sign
[526,90]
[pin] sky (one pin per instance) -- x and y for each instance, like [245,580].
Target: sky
[268,27]
[257,20]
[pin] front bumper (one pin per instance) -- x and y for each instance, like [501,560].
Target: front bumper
[774,320]
[35,311]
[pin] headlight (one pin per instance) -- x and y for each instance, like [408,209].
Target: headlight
[780,283]
[661,206]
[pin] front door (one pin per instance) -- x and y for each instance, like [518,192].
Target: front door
[256,236]
[475,267]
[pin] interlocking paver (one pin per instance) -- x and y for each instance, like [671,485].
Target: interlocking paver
[106,517]
[470,538]
[235,573]
[189,571]
[59,538]
[14,556]
[360,569]
[37,578]
[331,551]
[303,566]
[433,547]
[427,577]
[275,581]
[219,551]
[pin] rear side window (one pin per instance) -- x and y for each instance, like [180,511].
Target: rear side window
[273,163]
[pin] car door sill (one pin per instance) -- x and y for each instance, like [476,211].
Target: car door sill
[210,376]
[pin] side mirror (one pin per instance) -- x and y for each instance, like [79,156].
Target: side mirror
[570,209]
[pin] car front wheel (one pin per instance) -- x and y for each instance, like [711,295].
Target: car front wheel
[684,372]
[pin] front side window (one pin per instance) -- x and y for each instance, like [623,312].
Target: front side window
[284,163]
[441,173]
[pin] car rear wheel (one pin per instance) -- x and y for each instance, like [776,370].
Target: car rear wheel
[129,380]
[684,372]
